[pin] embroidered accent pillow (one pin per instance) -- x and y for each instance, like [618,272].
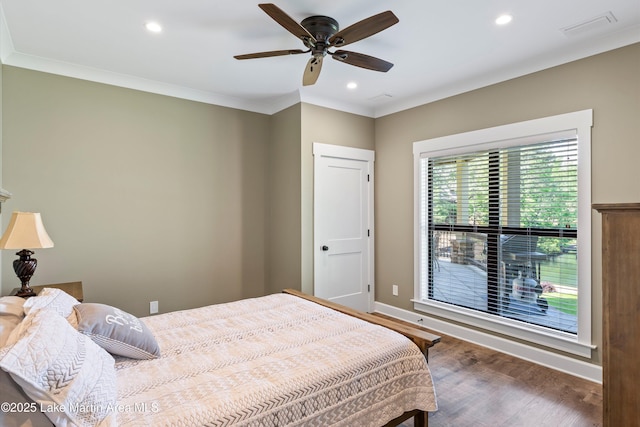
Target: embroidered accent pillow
[116,331]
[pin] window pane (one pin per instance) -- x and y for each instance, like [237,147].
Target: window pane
[539,185]
[518,260]
[459,269]
[539,281]
[460,190]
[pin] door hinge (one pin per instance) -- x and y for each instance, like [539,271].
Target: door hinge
[368,233]
[368,178]
[368,288]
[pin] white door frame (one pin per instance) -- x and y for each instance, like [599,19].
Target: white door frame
[350,153]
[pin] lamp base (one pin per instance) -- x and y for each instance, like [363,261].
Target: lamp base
[25,292]
[24,267]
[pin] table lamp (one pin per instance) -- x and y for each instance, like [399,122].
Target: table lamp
[25,230]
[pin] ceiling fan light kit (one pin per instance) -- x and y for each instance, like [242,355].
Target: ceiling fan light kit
[321,33]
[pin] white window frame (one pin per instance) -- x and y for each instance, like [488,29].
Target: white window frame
[504,136]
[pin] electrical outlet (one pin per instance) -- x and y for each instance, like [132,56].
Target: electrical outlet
[153,307]
[394,290]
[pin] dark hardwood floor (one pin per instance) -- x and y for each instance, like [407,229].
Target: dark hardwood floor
[479,387]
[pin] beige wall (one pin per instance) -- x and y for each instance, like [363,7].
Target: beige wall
[333,127]
[146,197]
[1,134]
[154,198]
[149,197]
[283,222]
[290,222]
[607,83]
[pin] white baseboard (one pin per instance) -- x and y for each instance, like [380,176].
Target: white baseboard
[542,357]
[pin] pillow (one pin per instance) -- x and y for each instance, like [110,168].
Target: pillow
[11,313]
[12,305]
[7,324]
[29,415]
[116,331]
[51,299]
[71,378]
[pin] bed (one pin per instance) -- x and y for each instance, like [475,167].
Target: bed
[278,360]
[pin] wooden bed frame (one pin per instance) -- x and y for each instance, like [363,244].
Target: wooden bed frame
[424,340]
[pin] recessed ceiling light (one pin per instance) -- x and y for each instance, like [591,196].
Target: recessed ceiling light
[352,85]
[154,27]
[503,19]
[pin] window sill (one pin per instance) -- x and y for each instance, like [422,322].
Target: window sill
[529,333]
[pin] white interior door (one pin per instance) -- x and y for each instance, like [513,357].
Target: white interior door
[343,225]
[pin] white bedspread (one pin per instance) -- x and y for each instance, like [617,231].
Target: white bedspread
[272,361]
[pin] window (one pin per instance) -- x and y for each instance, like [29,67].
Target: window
[503,230]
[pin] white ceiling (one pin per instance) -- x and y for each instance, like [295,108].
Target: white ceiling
[439,48]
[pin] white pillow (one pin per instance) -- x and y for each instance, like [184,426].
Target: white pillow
[7,324]
[12,305]
[11,313]
[71,378]
[51,299]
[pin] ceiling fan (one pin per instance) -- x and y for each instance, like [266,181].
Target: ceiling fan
[320,33]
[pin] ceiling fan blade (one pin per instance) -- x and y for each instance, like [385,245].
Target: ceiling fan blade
[362,60]
[286,21]
[363,29]
[311,73]
[271,53]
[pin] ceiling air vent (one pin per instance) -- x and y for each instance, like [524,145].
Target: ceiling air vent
[381,98]
[596,23]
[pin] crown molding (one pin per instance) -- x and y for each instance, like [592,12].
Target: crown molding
[568,53]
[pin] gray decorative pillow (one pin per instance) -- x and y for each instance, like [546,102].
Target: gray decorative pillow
[116,331]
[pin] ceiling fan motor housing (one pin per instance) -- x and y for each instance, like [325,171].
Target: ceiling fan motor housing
[322,28]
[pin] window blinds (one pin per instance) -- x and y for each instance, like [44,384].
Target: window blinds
[499,231]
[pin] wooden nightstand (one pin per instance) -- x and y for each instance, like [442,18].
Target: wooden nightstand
[72,288]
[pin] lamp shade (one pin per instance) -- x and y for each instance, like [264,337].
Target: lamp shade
[25,231]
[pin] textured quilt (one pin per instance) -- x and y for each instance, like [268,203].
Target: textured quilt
[272,361]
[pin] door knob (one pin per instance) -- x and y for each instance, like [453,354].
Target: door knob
[325,248]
